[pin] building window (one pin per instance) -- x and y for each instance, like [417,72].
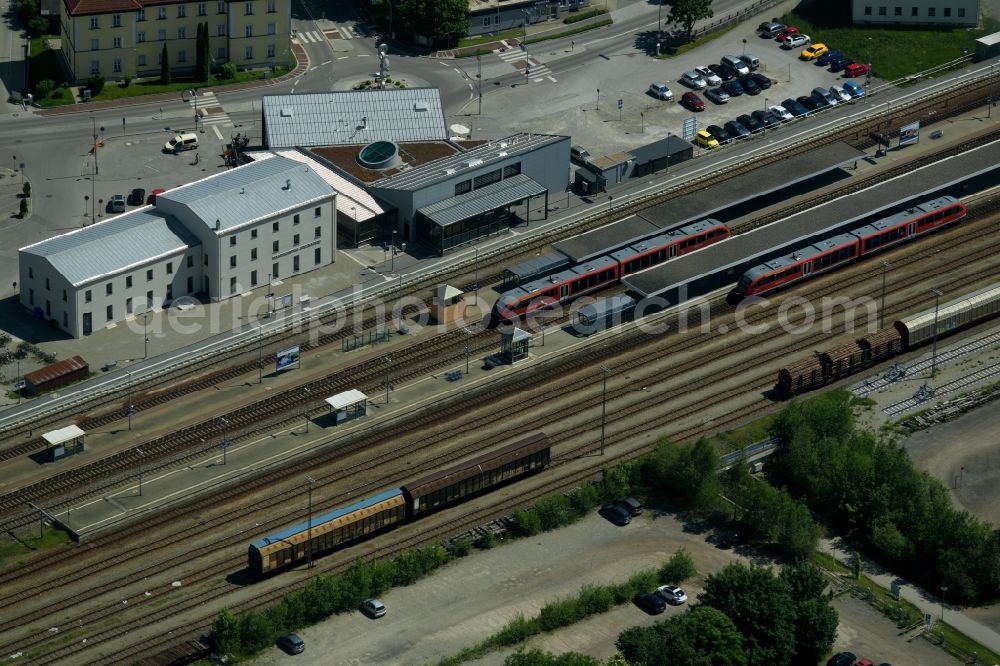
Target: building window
[868,10]
[487,20]
[253,254]
[961,12]
[248,31]
[232,261]
[170,292]
[463,187]
[181,11]
[318,232]
[182,33]
[253,278]
[317,256]
[248,53]
[232,285]
[109,288]
[318,211]
[931,12]
[881,11]
[295,218]
[170,268]
[222,53]
[272,6]
[274,227]
[190,284]
[220,7]
[202,9]
[232,241]
[140,36]
[87,296]
[248,9]
[253,233]
[220,30]
[295,239]
[161,13]
[31,272]
[484,179]
[512,170]
[274,247]
[31,296]
[110,312]
[116,65]
[65,320]
[116,20]
[190,261]
[95,66]
[149,300]
[140,60]
[47,287]
[116,42]
[161,35]
[95,44]
[64,296]
[913,11]
[947,11]
[897,11]
[142,15]
[295,264]
[272,28]
[128,306]
[182,56]
[48,308]
[271,50]
[128,281]
[206,260]
[274,270]
[149,275]
[94,23]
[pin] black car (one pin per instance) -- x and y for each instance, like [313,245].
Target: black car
[808,101]
[839,64]
[292,644]
[750,86]
[721,135]
[733,88]
[724,72]
[137,197]
[750,123]
[842,659]
[736,130]
[765,118]
[615,514]
[794,108]
[650,602]
[762,81]
[825,59]
[632,505]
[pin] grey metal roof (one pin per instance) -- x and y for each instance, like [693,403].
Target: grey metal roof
[491,197]
[550,262]
[353,117]
[255,191]
[604,239]
[474,159]
[109,247]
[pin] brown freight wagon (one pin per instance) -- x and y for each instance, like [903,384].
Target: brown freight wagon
[801,376]
[880,345]
[58,374]
[841,361]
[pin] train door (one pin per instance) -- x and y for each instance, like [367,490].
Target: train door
[673,250]
[807,268]
[913,229]
[563,291]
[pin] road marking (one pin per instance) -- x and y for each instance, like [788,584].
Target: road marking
[312,68]
[364,55]
[215,128]
[443,63]
[343,57]
[325,62]
[458,71]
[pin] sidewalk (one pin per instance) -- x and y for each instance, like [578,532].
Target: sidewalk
[932,605]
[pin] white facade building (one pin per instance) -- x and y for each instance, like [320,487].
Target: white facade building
[956,13]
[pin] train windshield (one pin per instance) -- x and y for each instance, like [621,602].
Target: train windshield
[744,284]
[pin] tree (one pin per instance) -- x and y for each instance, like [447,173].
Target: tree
[815,619]
[164,65]
[95,84]
[23,208]
[226,630]
[703,636]
[26,189]
[678,568]
[687,12]
[536,657]
[443,21]
[202,67]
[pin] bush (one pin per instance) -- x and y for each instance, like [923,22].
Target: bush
[558,614]
[487,541]
[23,208]
[554,511]
[678,568]
[227,71]
[26,188]
[460,547]
[594,600]
[95,84]
[126,81]
[515,631]
[526,523]
[56,94]
[44,87]
[583,16]
[585,499]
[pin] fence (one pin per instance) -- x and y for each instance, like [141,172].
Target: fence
[370,338]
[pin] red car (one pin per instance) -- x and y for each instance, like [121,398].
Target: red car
[692,101]
[855,69]
[786,33]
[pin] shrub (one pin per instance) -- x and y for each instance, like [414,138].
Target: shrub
[126,81]
[526,523]
[44,87]
[585,499]
[487,541]
[23,208]
[515,631]
[678,568]
[26,188]
[460,547]
[227,71]
[582,16]
[594,600]
[56,94]
[554,511]
[95,84]
[557,614]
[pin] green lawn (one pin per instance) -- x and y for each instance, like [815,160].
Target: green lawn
[12,552]
[894,52]
[152,86]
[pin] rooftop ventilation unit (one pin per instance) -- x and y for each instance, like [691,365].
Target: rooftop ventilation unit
[420,106]
[449,172]
[473,163]
[503,144]
[288,183]
[502,153]
[285,113]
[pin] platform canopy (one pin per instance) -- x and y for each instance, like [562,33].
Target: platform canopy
[346,399]
[63,435]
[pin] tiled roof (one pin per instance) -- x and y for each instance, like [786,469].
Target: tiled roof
[81,7]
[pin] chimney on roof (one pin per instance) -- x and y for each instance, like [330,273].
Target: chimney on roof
[288,183]
[218,224]
[243,190]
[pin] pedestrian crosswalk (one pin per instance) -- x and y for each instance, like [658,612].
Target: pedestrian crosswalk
[209,110]
[317,36]
[515,57]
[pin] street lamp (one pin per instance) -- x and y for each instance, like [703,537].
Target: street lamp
[145,334]
[260,354]
[659,26]
[944,591]
[390,17]
[881,311]
[311,481]
[479,81]
[524,44]
[388,365]
[605,370]
[744,46]
[130,409]
[764,117]
[139,451]
[225,438]
[937,295]
[466,359]
[392,265]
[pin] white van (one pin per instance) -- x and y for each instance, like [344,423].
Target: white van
[751,61]
[186,141]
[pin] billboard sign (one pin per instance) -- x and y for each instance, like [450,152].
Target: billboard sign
[285,301]
[909,133]
[286,358]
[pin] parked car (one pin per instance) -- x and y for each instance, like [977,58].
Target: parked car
[710,77]
[705,140]
[737,130]
[292,644]
[721,135]
[650,602]
[750,123]
[373,608]
[717,95]
[853,89]
[137,197]
[762,81]
[615,514]
[842,659]
[766,118]
[825,97]
[750,86]
[808,101]
[724,71]
[155,193]
[770,28]
[813,51]
[856,69]
[840,93]
[795,41]
[736,63]
[781,113]
[117,204]
[733,88]
[672,595]
[694,80]
[660,90]
[864,662]
[632,505]
[750,60]
[579,154]
[794,107]
[786,33]
[692,101]
[839,63]
[825,59]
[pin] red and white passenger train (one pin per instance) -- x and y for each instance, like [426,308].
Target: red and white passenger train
[831,253]
[594,274]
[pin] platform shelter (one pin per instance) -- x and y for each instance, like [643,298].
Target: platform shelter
[448,305]
[64,442]
[348,405]
[514,344]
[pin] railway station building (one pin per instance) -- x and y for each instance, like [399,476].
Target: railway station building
[214,238]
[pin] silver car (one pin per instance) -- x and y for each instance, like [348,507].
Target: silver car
[780,112]
[694,80]
[660,90]
[710,77]
[717,95]
[840,93]
[825,97]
